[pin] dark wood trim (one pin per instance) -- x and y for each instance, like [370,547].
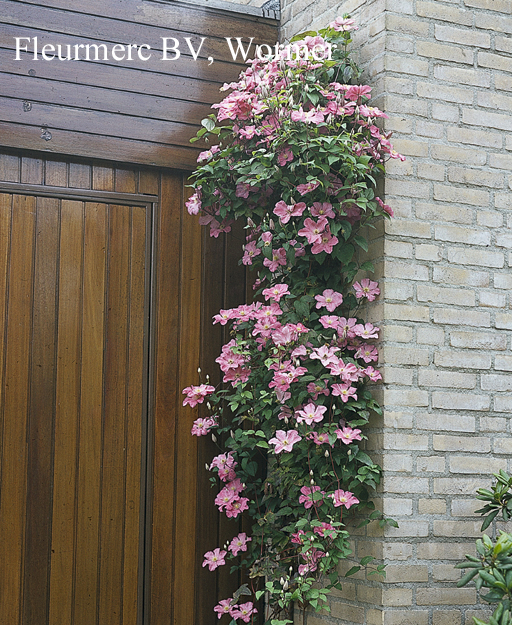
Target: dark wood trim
[127,199]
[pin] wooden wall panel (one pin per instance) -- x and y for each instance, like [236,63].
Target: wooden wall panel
[41,411]
[91,406]
[165,401]
[15,400]
[78,260]
[67,413]
[131,110]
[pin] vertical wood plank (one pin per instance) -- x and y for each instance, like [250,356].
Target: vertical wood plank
[149,181]
[5,242]
[137,365]
[91,410]
[186,469]
[234,295]
[10,168]
[211,338]
[79,176]
[41,408]
[113,469]
[66,413]
[166,397]
[125,180]
[102,178]
[31,170]
[56,173]
[15,405]
[5,239]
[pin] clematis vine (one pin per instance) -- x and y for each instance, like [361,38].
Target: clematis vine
[296,158]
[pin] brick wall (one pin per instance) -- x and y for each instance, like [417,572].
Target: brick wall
[442,70]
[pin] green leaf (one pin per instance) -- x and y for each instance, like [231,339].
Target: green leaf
[467,578]
[367,266]
[208,123]
[364,458]
[353,570]
[488,520]
[362,242]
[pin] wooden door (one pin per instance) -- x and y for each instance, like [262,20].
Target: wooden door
[107,290]
[74,310]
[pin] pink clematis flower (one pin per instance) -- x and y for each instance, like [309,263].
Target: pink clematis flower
[320,438]
[285,157]
[276,292]
[307,187]
[223,607]
[329,299]
[243,611]
[322,209]
[345,391]
[307,496]
[284,441]
[347,435]
[214,558]
[223,317]
[286,211]
[354,92]
[239,543]
[373,374]
[367,352]
[313,230]
[196,394]
[201,427]
[236,507]
[242,190]
[385,207]
[367,331]
[250,251]
[311,414]
[343,24]
[367,288]
[318,388]
[193,204]
[325,243]
[329,321]
[278,259]
[344,498]
[309,117]
[326,355]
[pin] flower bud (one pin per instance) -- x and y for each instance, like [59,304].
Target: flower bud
[199,370]
[208,405]
[311,481]
[231,433]
[326,554]
[214,438]
[326,454]
[207,378]
[349,452]
[207,466]
[311,472]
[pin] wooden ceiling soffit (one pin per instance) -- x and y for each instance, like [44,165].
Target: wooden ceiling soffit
[138,105]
